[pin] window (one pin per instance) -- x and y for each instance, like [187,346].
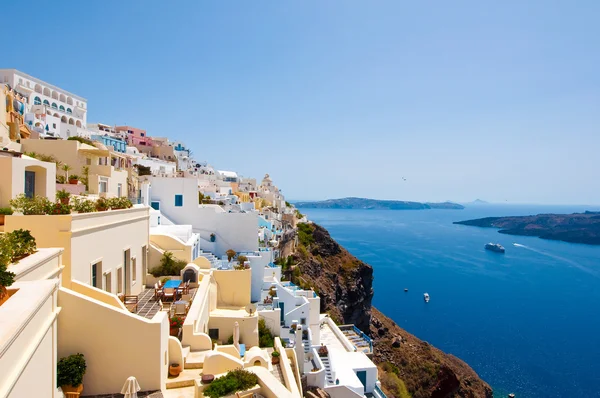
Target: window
[142,134]
[119,190]
[129,131]
[69,110]
[46,102]
[20,81]
[107,282]
[95,275]
[213,334]
[62,108]
[120,280]
[54,105]
[178,200]
[53,125]
[155,205]
[302,321]
[103,185]
[37,101]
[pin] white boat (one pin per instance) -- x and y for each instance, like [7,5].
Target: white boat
[426,297]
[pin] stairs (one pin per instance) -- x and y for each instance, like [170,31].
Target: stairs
[328,375]
[214,261]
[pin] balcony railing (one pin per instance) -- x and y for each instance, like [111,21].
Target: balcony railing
[378,393]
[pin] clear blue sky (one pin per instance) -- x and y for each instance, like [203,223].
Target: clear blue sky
[342,98]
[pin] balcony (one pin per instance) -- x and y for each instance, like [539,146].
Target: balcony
[102,170]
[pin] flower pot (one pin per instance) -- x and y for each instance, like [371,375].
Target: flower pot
[73,182]
[274,360]
[1,219]
[174,369]
[64,201]
[174,332]
[69,388]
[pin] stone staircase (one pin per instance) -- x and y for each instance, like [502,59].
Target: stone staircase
[192,367]
[214,261]
[328,375]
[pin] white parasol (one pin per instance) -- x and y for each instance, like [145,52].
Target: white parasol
[130,388]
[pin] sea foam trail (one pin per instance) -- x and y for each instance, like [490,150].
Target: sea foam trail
[559,258]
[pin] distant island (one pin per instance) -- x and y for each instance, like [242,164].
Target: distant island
[573,228]
[374,204]
[478,202]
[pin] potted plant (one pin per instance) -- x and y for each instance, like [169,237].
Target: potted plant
[230,254]
[70,371]
[213,237]
[176,323]
[59,208]
[63,196]
[275,357]
[242,259]
[323,352]
[4,211]
[101,204]
[175,369]
[73,179]
[305,334]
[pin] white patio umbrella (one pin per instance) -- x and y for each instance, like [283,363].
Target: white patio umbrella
[130,388]
[236,335]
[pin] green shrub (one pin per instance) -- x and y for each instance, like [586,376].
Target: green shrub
[169,266]
[5,211]
[83,205]
[37,205]
[242,259]
[119,203]
[265,337]
[230,340]
[70,370]
[305,234]
[394,385]
[16,245]
[233,381]
[58,208]
[73,177]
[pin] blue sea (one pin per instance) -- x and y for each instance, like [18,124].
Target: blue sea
[527,321]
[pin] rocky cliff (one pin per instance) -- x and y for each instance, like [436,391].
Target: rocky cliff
[408,366]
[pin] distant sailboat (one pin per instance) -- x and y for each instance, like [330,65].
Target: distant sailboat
[426,297]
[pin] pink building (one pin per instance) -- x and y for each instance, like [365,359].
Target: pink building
[135,136]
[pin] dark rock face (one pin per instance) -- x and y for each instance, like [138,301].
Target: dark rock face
[345,285]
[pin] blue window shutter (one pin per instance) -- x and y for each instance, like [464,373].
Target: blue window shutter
[178,200]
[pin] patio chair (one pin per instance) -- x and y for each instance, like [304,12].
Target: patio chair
[170,294]
[157,291]
[163,307]
[131,302]
[187,287]
[181,309]
[181,289]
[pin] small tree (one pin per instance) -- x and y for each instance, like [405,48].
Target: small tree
[242,259]
[6,277]
[230,254]
[66,168]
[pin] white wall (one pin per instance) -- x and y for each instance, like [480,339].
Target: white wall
[129,230]
[237,231]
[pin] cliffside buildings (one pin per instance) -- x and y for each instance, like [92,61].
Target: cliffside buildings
[145,236]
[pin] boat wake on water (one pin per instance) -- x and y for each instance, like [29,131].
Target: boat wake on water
[566,260]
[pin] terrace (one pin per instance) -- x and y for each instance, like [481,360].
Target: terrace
[359,340]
